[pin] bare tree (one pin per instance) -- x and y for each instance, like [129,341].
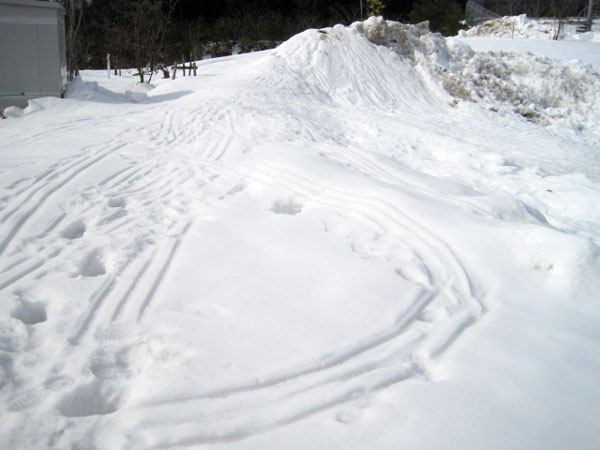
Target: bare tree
[139,34]
[346,14]
[561,10]
[74,17]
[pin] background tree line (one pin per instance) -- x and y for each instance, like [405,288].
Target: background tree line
[149,33]
[537,8]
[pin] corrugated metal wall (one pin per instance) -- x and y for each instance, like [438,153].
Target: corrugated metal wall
[32,50]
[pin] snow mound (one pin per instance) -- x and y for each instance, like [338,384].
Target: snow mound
[90,90]
[381,64]
[340,65]
[590,36]
[523,27]
[513,27]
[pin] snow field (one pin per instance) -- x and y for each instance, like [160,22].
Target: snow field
[317,246]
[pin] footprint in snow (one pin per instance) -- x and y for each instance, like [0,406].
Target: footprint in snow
[108,365]
[74,230]
[116,202]
[236,189]
[348,415]
[290,207]
[93,264]
[95,398]
[30,313]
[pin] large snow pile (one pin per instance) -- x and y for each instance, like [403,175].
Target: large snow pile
[321,246]
[540,89]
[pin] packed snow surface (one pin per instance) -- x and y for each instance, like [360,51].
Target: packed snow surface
[369,237]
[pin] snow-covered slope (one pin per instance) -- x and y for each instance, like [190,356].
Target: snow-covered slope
[320,246]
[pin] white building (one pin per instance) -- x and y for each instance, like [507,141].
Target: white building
[33,62]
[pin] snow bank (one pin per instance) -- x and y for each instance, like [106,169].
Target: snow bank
[590,36]
[338,65]
[90,90]
[412,67]
[513,27]
[528,28]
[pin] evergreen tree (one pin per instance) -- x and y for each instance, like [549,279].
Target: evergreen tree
[374,7]
[444,16]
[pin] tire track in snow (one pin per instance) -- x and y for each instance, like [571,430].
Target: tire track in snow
[46,193]
[216,148]
[329,361]
[132,286]
[95,303]
[269,402]
[10,278]
[122,175]
[162,272]
[366,164]
[261,420]
[147,196]
[152,191]
[383,216]
[48,176]
[56,130]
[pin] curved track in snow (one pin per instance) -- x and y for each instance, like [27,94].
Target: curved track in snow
[244,255]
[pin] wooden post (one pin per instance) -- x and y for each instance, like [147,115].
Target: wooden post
[183,64]
[195,68]
[174,69]
[108,64]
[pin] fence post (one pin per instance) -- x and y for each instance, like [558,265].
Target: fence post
[108,64]
[174,70]
[195,68]
[589,15]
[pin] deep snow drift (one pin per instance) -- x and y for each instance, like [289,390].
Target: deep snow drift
[369,237]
